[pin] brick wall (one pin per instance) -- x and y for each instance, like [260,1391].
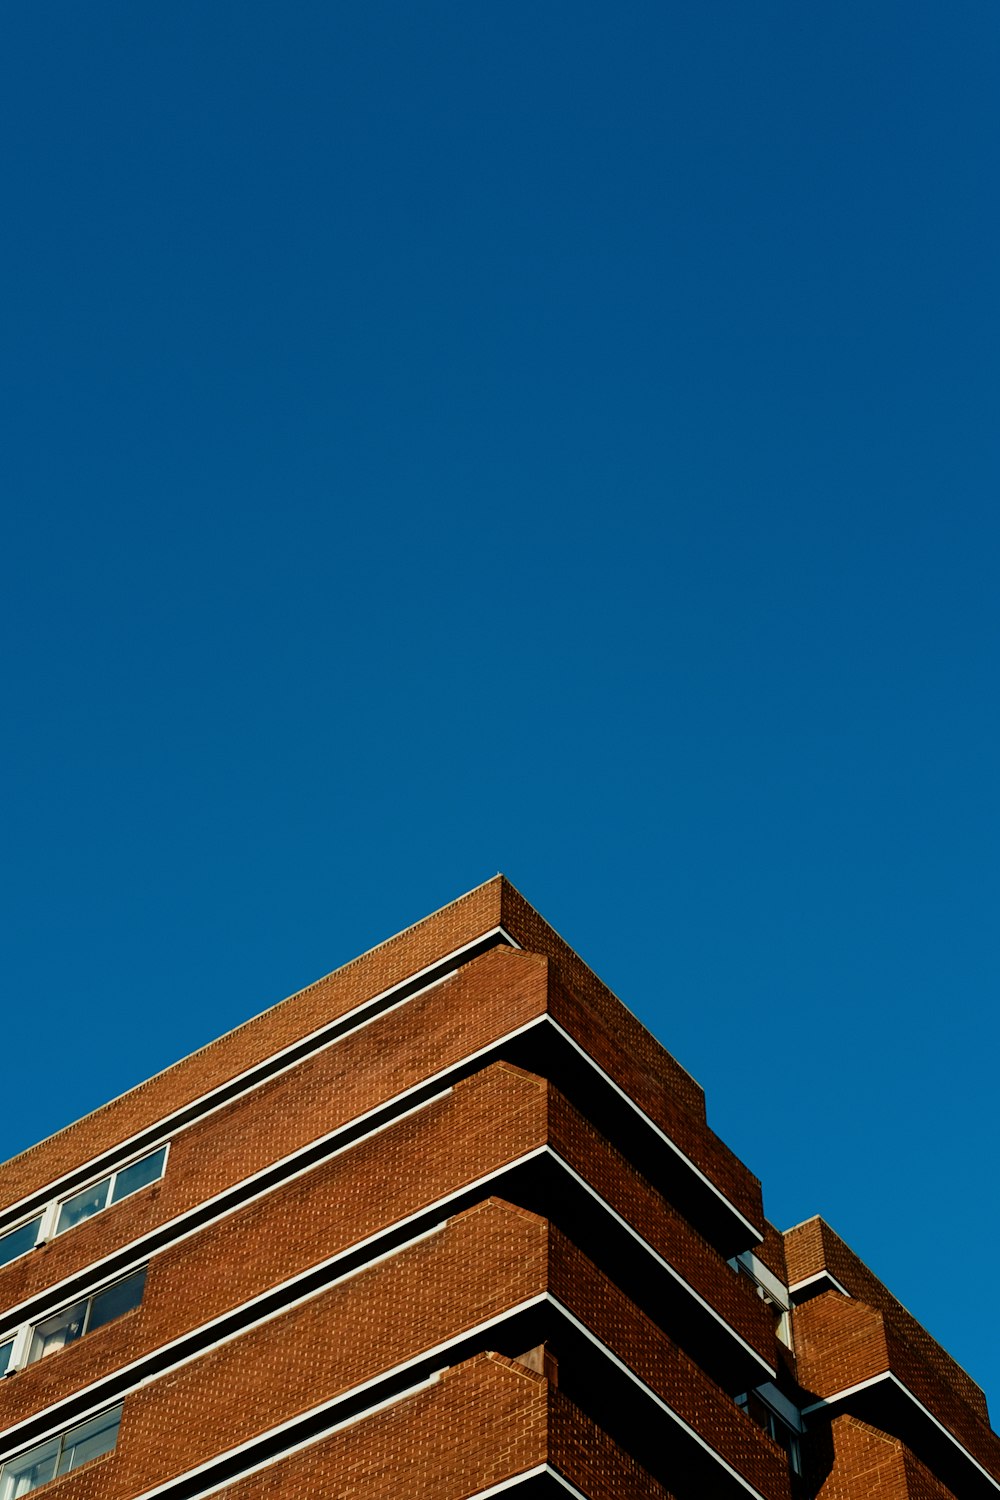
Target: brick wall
[482,1001]
[858,1462]
[486,1121]
[678,1380]
[479,1265]
[840,1341]
[589,993]
[302,1013]
[489,905]
[813,1246]
[622,1186]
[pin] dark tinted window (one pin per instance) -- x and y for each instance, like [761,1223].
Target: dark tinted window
[117,1299]
[18,1241]
[139,1175]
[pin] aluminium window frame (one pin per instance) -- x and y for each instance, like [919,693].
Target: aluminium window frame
[60,1438]
[23,1335]
[50,1218]
[788,1421]
[42,1217]
[16,1343]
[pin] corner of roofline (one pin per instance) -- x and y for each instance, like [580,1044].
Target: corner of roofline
[509,890]
[498,880]
[812,1219]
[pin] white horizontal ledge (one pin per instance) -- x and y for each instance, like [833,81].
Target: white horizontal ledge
[887,1377]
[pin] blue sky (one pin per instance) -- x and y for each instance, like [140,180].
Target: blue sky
[553,438]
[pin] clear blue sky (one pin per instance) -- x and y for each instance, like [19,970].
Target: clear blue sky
[559,438]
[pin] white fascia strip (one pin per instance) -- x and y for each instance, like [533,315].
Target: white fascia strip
[648,1391]
[439,1205]
[848,1390]
[656,1129]
[361,1416]
[889,1377]
[377,1109]
[206,1328]
[52,1189]
[536,1473]
[797,1286]
[559,1478]
[511,1483]
[142,1254]
[164,1122]
[663,1264]
[292,1156]
[554,1474]
[371,1411]
[436,1351]
[436,1205]
[390,1103]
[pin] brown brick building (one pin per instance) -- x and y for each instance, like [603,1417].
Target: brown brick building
[449,1222]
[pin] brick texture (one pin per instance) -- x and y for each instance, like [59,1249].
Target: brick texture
[623,1187]
[485,1421]
[594,998]
[840,1341]
[300,1014]
[484,1000]
[487,1121]
[813,1246]
[428,941]
[859,1461]
[478,1266]
[676,1378]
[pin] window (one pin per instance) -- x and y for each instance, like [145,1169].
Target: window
[759,1411]
[770,1290]
[6,1350]
[20,1240]
[113,1189]
[20,1476]
[72,1323]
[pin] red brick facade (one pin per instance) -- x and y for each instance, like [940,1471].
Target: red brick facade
[446,1223]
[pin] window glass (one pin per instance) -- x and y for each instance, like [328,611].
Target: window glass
[58,1331]
[90,1201]
[19,1241]
[59,1455]
[5,1352]
[117,1299]
[65,1327]
[139,1175]
[759,1412]
[24,1474]
[89,1440]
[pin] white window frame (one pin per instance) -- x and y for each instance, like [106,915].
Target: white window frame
[42,1215]
[49,1228]
[770,1290]
[785,1413]
[15,1337]
[22,1336]
[60,1437]
[48,1217]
